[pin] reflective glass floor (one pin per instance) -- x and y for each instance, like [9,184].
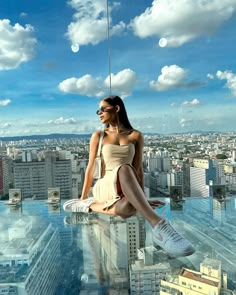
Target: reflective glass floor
[44,250]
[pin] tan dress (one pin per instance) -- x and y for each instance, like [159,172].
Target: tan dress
[114,156]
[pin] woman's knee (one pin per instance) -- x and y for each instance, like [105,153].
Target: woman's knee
[125,169]
[124,209]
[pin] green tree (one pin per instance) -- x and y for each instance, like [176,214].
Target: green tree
[221,156]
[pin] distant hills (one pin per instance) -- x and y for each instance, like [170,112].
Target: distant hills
[44,136]
[72,135]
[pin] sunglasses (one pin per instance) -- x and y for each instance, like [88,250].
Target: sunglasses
[103,109]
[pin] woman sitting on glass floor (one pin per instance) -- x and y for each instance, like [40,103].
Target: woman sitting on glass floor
[120,191]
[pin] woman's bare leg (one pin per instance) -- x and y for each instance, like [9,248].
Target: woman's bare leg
[132,201]
[121,208]
[134,194]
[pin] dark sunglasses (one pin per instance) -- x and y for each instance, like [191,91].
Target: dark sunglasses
[103,109]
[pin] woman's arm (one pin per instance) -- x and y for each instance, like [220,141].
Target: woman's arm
[138,158]
[88,179]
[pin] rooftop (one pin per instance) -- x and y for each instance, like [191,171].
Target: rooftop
[198,277]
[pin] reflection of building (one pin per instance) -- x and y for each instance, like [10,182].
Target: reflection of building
[105,256]
[206,281]
[211,224]
[135,235]
[30,257]
[34,178]
[111,244]
[218,211]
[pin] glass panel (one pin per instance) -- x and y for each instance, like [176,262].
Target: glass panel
[43,248]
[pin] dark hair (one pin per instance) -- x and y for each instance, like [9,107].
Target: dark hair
[115,100]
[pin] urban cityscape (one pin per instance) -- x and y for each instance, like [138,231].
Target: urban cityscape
[44,250]
[173,64]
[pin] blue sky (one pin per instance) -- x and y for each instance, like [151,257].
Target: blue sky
[173,63]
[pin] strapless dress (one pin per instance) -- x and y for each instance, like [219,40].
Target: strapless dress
[114,156]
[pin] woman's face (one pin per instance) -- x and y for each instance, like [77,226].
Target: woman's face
[106,112]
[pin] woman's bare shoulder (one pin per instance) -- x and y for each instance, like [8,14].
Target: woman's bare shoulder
[95,135]
[137,135]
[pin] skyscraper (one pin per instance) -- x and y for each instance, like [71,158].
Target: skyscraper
[201,173]
[5,175]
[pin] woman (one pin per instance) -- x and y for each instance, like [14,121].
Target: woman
[120,191]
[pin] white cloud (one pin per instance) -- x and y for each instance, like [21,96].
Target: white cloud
[210,76]
[86,85]
[230,78]
[90,22]
[17,44]
[123,82]
[23,14]
[194,102]
[62,120]
[173,104]
[182,21]
[5,102]
[6,125]
[185,122]
[171,77]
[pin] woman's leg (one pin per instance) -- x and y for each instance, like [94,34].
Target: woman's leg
[134,195]
[133,198]
[121,208]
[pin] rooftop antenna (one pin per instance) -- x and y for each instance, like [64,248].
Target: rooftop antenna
[109,47]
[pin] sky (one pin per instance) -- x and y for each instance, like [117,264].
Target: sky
[172,62]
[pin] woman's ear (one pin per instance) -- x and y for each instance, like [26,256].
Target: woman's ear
[117,108]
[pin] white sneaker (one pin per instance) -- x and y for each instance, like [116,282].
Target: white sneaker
[77,205]
[165,236]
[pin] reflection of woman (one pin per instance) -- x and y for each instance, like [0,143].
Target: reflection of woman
[120,191]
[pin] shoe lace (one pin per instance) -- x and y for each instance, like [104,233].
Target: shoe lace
[170,231]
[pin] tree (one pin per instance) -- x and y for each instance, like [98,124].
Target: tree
[221,156]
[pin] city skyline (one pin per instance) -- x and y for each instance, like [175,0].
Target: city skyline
[171,61]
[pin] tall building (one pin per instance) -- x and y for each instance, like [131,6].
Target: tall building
[135,235]
[186,179]
[175,178]
[233,155]
[78,174]
[153,163]
[201,173]
[220,173]
[146,272]
[35,177]
[158,162]
[6,177]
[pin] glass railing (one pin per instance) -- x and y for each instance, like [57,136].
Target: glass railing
[44,250]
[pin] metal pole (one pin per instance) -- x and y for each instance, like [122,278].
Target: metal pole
[109,48]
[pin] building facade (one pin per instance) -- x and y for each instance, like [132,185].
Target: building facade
[35,177]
